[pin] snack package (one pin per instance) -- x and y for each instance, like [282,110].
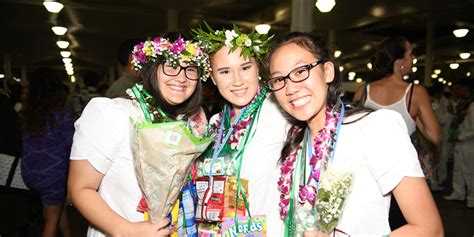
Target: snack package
[219,202]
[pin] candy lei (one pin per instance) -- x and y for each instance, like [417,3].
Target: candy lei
[323,146]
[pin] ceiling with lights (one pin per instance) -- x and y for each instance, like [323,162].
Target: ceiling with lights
[85,34]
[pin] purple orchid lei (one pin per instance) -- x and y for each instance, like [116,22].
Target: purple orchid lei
[323,148]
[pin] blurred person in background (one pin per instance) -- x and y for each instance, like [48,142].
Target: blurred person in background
[386,89]
[47,137]
[128,75]
[461,132]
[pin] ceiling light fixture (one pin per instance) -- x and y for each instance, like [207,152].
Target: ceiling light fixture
[262,28]
[437,71]
[62,44]
[337,53]
[465,55]
[406,77]
[53,6]
[59,30]
[359,80]
[450,83]
[454,66]
[73,78]
[341,68]
[414,69]
[325,5]
[416,82]
[434,75]
[415,60]
[468,74]
[67,60]
[65,54]
[440,79]
[2,75]
[459,33]
[369,65]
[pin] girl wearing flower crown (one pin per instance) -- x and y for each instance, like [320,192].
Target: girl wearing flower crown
[103,183]
[249,130]
[344,191]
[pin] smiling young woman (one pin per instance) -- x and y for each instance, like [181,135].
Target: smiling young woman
[373,148]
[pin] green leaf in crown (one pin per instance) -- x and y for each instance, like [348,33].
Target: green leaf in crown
[252,44]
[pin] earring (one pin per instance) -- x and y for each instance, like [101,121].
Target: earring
[259,78]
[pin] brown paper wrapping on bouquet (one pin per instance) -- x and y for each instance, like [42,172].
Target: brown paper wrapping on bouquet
[163,154]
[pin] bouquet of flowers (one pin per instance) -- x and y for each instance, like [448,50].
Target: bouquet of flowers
[163,153]
[334,187]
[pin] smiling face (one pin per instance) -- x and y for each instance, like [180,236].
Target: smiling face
[175,89]
[305,100]
[236,78]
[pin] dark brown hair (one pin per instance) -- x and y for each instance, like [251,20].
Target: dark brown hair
[45,96]
[385,55]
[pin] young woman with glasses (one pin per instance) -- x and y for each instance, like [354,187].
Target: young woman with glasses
[102,182]
[372,147]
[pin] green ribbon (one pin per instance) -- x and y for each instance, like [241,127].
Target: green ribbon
[252,110]
[145,100]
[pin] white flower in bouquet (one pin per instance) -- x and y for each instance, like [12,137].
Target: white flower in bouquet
[334,187]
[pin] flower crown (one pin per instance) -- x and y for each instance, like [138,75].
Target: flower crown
[252,44]
[180,51]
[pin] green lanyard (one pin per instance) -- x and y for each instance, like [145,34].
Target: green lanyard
[144,98]
[253,110]
[239,156]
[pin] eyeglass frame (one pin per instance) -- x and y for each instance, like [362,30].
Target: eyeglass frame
[181,68]
[287,77]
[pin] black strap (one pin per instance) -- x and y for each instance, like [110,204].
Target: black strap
[410,96]
[12,171]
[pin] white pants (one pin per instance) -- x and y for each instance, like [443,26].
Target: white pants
[463,170]
[445,153]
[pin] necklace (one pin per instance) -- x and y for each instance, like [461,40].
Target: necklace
[146,101]
[323,146]
[237,130]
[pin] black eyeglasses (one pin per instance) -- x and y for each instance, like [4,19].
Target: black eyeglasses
[191,72]
[296,75]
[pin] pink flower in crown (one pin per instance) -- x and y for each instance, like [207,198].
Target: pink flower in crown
[199,51]
[178,46]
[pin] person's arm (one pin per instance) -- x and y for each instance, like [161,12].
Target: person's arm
[426,121]
[418,208]
[83,183]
